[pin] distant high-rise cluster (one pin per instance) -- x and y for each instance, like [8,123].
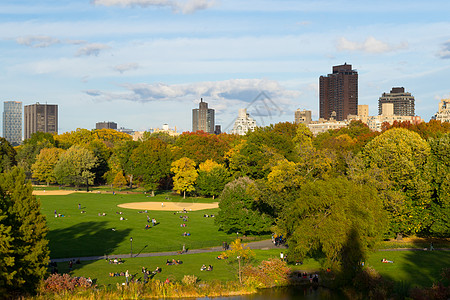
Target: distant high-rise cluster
[12,122]
[244,123]
[403,102]
[303,116]
[203,118]
[338,93]
[443,113]
[40,118]
[106,125]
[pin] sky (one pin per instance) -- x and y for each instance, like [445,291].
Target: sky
[145,63]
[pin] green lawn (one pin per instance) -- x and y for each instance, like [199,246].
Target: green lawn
[222,270]
[77,234]
[420,268]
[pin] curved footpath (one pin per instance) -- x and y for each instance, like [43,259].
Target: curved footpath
[262,245]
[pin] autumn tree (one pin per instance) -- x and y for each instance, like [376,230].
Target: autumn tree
[335,218]
[7,155]
[24,253]
[239,212]
[185,175]
[46,160]
[75,166]
[119,180]
[201,146]
[239,254]
[212,178]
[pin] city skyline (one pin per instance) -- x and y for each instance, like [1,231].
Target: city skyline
[143,63]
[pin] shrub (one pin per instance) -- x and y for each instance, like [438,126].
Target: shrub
[189,280]
[371,282]
[60,283]
[269,273]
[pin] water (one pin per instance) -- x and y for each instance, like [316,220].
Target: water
[290,293]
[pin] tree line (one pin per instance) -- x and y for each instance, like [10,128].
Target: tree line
[326,195]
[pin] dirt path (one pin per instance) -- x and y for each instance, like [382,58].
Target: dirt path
[169,206]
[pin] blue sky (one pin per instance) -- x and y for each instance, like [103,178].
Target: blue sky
[143,63]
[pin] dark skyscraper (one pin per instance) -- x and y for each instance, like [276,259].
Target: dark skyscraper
[105,125]
[338,92]
[203,118]
[40,118]
[403,102]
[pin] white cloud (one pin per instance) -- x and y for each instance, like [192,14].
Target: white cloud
[445,52]
[91,49]
[183,6]
[37,41]
[240,90]
[370,45]
[126,67]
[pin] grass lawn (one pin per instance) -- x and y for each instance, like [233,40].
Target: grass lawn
[222,270]
[87,234]
[410,268]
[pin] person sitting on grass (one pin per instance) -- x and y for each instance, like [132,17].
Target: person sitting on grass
[168,262]
[203,268]
[210,268]
[147,226]
[384,260]
[157,270]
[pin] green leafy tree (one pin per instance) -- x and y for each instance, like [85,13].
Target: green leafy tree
[239,212]
[75,166]
[43,168]
[261,149]
[439,171]
[163,136]
[27,153]
[120,160]
[151,162]
[185,175]
[7,155]
[336,219]
[212,178]
[395,163]
[24,253]
[102,152]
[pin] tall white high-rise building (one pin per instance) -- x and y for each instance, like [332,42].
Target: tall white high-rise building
[244,123]
[12,122]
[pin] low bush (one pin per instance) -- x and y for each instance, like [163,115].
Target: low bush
[268,273]
[62,283]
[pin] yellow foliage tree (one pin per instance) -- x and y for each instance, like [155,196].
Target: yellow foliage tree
[119,180]
[185,175]
[45,163]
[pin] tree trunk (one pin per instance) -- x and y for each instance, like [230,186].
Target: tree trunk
[131,181]
[184,194]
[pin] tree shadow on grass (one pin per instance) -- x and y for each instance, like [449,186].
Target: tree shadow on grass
[424,267]
[85,239]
